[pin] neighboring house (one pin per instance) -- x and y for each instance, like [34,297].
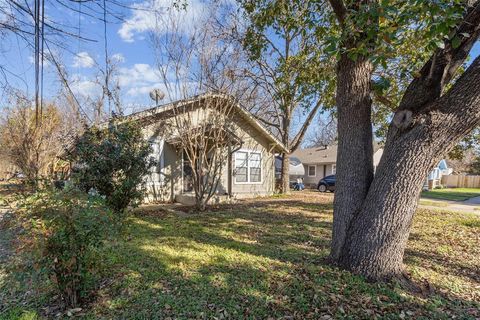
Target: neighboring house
[248,172]
[320,162]
[434,178]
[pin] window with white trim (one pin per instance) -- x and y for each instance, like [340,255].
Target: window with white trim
[312,171]
[334,168]
[255,167]
[248,167]
[241,166]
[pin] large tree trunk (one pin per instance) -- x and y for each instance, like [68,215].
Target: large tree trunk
[355,153]
[372,218]
[378,234]
[285,173]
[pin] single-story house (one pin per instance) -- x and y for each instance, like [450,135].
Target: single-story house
[249,169]
[320,162]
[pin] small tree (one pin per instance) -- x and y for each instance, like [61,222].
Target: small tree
[206,138]
[68,226]
[287,62]
[189,64]
[113,161]
[30,141]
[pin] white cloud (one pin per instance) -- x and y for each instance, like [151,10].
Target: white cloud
[118,57]
[83,60]
[139,74]
[161,16]
[5,11]
[85,87]
[144,90]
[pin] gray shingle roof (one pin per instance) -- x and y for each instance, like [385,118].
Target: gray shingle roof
[317,155]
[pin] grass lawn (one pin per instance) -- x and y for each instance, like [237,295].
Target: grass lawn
[432,203]
[454,194]
[263,259]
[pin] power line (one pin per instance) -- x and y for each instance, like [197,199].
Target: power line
[107,71]
[65,82]
[42,55]
[37,56]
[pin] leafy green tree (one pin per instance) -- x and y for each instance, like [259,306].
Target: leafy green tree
[292,70]
[400,67]
[113,161]
[433,110]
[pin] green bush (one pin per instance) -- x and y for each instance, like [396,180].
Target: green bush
[112,161]
[68,227]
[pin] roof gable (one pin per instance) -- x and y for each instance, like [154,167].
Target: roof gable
[170,108]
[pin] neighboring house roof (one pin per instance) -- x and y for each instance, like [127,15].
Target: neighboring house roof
[317,155]
[165,109]
[322,155]
[443,165]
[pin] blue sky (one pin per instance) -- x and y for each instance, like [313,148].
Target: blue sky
[128,45]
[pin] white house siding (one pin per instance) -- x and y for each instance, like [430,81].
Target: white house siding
[170,184]
[321,171]
[253,141]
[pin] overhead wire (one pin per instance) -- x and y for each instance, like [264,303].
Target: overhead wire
[107,71]
[37,57]
[42,57]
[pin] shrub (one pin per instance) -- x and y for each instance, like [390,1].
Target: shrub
[113,161]
[68,227]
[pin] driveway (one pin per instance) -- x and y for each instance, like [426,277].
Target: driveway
[471,205]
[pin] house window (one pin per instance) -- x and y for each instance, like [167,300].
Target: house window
[312,171]
[241,166]
[334,169]
[255,167]
[248,167]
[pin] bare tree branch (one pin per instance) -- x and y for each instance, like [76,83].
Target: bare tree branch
[301,133]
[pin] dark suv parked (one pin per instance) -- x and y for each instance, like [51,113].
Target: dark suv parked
[327,184]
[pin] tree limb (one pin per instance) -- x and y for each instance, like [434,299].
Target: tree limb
[266,122]
[340,10]
[444,63]
[299,137]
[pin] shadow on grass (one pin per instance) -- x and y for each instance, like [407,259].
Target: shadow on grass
[463,269]
[250,261]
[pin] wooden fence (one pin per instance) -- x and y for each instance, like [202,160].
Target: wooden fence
[461,181]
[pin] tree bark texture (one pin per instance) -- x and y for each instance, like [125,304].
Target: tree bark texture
[355,150]
[285,172]
[372,216]
[378,235]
